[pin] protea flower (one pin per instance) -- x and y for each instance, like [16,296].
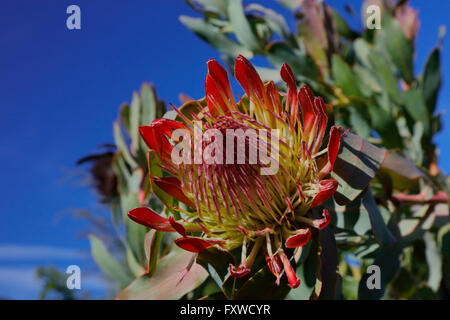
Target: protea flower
[234,205]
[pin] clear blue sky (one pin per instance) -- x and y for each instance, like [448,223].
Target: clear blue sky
[60,91]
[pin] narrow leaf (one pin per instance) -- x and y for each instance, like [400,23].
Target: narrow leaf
[355,166]
[165,283]
[108,264]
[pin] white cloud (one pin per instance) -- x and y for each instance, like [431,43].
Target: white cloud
[22,283]
[18,265]
[23,252]
[19,283]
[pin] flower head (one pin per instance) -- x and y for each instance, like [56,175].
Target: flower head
[233,202]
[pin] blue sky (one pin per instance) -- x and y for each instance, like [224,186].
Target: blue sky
[60,92]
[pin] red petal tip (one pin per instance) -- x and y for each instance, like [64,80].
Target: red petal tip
[326,190]
[177,226]
[150,219]
[299,239]
[172,186]
[322,223]
[238,272]
[196,245]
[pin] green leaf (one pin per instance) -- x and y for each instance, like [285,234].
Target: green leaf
[135,111]
[355,166]
[108,264]
[153,240]
[260,283]
[217,6]
[262,286]
[379,68]
[133,264]
[328,264]
[342,27]
[403,172]
[385,76]
[388,260]
[136,238]
[241,27]
[432,79]
[366,79]
[276,22]
[302,65]
[434,261]
[418,232]
[124,116]
[344,77]
[362,50]
[416,109]
[350,288]
[358,121]
[307,271]
[151,107]
[444,239]
[384,124]
[135,232]
[122,146]
[351,217]
[214,36]
[392,41]
[219,260]
[122,172]
[379,228]
[165,283]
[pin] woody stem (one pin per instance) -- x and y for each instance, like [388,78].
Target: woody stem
[251,258]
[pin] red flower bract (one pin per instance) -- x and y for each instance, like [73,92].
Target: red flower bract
[232,203]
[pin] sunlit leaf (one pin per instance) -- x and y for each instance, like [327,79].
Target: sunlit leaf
[356,164]
[388,260]
[392,41]
[328,264]
[432,79]
[214,36]
[165,283]
[108,264]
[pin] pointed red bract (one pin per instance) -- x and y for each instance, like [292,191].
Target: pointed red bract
[148,134]
[192,244]
[218,90]
[214,98]
[172,186]
[238,272]
[322,223]
[299,239]
[290,273]
[178,227]
[292,100]
[274,104]
[275,264]
[326,190]
[149,218]
[333,145]
[249,79]
[333,149]
[323,118]
[157,134]
[306,98]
